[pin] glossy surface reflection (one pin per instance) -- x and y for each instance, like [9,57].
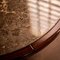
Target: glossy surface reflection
[22,22]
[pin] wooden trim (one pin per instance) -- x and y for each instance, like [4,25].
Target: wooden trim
[35,46]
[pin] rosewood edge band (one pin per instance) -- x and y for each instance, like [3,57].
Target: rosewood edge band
[37,45]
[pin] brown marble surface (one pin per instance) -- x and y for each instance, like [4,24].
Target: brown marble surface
[15,25]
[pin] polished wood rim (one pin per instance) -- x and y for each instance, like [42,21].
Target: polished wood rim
[35,46]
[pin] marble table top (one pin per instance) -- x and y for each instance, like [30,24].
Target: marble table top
[22,22]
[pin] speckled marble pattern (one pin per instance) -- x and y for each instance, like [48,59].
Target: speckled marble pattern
[15,26]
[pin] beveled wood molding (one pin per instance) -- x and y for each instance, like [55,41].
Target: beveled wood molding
[35,46]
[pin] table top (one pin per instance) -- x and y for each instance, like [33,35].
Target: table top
[22,22]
